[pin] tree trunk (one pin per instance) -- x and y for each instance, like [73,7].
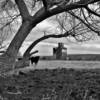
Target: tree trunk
[7,60]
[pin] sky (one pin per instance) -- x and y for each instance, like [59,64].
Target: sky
[46,47]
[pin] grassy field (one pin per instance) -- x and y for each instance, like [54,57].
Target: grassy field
[68,64]
[81,81]
[53,64]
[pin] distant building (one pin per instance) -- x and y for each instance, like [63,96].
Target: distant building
[60,52]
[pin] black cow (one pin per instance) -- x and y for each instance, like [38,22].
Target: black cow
[20,58]
[34,60]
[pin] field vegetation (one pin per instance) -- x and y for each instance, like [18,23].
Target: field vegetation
[52,84]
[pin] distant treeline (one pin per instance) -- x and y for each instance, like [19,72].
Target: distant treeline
[89,57]
[95,57]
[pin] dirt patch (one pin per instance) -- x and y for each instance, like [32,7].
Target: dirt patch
[52,84]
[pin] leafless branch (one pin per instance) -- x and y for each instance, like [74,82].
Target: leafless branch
[8,23]
[44,38]
[92,12]
[84,22]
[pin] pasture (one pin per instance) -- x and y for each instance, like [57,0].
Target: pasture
[68,64]
[53,64]
[54,80]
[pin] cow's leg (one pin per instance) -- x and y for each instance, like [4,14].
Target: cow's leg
[30,63]
[35,66]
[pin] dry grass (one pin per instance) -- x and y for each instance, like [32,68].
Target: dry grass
[68,64]
[54,84]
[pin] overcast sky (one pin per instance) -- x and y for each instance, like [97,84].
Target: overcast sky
[45,47]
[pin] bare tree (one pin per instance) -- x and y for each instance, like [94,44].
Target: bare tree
[32,12]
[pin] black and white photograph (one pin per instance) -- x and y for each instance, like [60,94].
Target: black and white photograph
[49,49]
